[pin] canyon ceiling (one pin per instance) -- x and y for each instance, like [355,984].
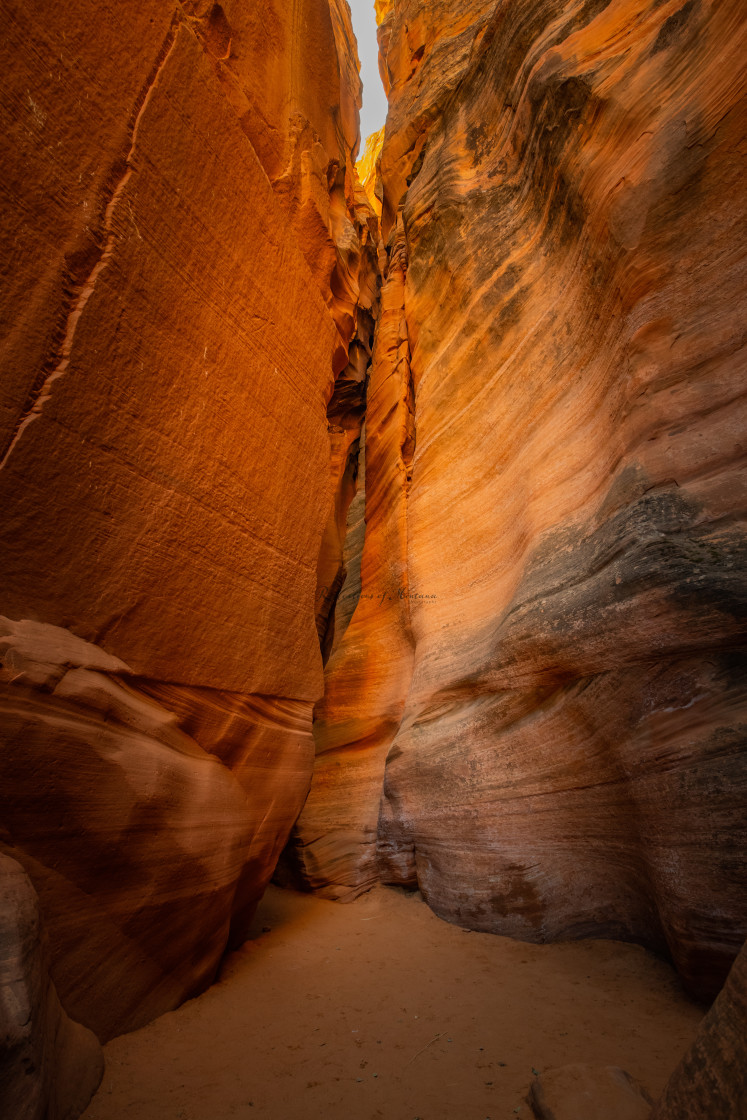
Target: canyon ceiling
[392,521]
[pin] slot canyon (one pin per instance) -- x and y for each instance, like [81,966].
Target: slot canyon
[373,624]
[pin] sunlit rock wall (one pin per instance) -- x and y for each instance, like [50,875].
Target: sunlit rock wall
[185,251]
[537,711]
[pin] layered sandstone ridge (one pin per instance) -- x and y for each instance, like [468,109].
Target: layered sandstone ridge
[147,849]
[190,282]
[536,712]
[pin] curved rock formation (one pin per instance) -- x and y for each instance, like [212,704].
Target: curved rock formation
[136,839]
[369,169]
[189,265]
[534,695]
[536,713]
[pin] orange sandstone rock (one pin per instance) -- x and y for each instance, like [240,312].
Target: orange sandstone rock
[369,171]
[152,405]
[546,734]
[334,847]
[186,250]
[135,838]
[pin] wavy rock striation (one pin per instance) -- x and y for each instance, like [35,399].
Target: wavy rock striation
[532,618]
[537,711]
[189,288]
[138,841]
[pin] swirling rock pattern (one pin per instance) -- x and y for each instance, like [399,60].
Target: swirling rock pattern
[545,731]
[189,263]
[137,840]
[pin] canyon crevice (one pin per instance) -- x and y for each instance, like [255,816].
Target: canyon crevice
[389,517]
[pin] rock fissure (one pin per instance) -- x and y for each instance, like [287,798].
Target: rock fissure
[80,297]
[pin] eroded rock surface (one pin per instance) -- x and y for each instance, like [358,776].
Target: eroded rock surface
[537,711]
[50,1067]
[136,839]
[189,263]
[166,326]
[711,1079]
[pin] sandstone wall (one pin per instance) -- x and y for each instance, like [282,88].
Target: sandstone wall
[536,714]
[185,251]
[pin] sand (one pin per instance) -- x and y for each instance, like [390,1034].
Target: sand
[378,1009]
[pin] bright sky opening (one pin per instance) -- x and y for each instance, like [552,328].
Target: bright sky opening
[373,113]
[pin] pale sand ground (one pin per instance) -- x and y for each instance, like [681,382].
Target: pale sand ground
[378,1009]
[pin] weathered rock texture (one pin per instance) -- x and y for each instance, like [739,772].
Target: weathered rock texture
[711,1080]
[189,262]
[50,1067]
[537,711]
[136,838]
[369,169]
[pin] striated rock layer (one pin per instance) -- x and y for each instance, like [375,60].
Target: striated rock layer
[189,264]
[136,838]
[537,711]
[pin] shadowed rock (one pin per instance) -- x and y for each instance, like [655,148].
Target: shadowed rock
[711,1079]
[50,1067]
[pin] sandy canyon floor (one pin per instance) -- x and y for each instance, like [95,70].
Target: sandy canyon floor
[379,1009]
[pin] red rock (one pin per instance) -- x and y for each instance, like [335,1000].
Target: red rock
[333,847]
[169,472]
[369,169]
[138,842]
[533,690]
[189,263]
[547,740]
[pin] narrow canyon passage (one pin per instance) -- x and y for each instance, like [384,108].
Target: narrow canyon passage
[373,524]
[380,1011]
